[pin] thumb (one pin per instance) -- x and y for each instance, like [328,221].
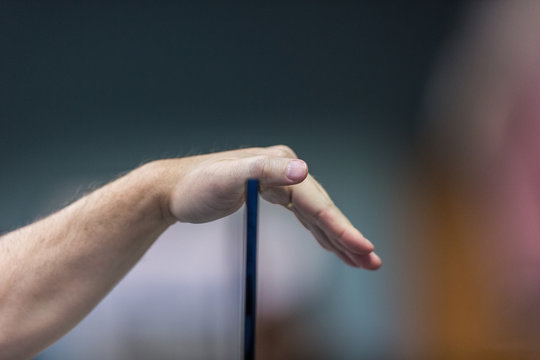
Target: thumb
[272,171]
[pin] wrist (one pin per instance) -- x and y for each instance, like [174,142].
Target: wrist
[158,182]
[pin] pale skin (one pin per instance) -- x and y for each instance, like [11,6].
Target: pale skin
[55,271]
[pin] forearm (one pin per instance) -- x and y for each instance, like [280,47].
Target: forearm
[56,270]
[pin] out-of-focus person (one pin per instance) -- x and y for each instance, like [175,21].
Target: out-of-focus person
[481,145]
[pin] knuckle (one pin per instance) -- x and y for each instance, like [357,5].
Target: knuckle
[323,214]
[284,151]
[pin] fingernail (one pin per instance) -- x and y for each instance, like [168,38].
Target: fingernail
[296,170]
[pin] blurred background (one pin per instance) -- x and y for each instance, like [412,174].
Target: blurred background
[417,117]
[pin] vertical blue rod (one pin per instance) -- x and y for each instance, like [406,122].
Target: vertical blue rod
[252,199]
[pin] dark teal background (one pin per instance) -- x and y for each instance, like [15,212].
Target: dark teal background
[97,88]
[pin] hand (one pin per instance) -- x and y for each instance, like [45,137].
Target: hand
[208,187]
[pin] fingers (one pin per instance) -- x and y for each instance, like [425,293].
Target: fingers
[368,261]
[316,211]
[319,214]
[337,227]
